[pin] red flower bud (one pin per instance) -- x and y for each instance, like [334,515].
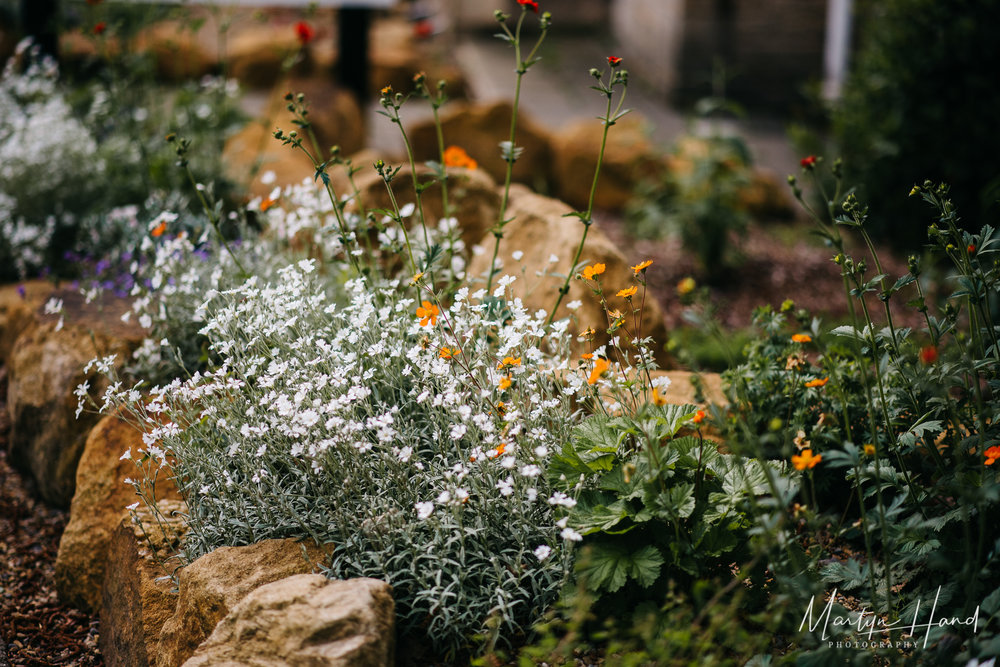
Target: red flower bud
[808,162]
[530,4]
[614,61]
[304,32]
[928,355]
[100,28]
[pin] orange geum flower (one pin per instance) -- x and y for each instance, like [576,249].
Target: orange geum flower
[600,368]
[504,383]
[801,338]
[869,449]
[992,454]
[509,361]
[589,331]
[641,266]
[818,382]
[699,417]
[428,313]
[501,448]
[455,156]
[686,286]
[658,398]
[447,352]
[928,355]
[628,292]
[159,229]
[806,460]
[590,271]
[587,355]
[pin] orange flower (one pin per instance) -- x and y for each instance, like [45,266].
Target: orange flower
[992,454]
[806,460]
[818,382]
[600,367]
[658,398]
[586,333]
[971,248]
[428,313]
[455,156]
[699,417]
[591,271]
[386,91]
[498,451]
[447,352]
[686,286]
[504,384]
[928,355]
[642,266]
[801,338]
[628,292]
[509,361]
[266,204]
[869,450]
[587,355]
[159,229]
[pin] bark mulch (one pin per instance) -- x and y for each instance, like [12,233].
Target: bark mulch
[35,628]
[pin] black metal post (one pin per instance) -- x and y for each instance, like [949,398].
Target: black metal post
[353,63]
[39,19]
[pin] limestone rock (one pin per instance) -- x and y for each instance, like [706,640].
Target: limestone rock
[136,596]
[479,129]
[256,54]
[766,197]
[178,51]
[334,112]
[471,193]
[305,619]
[210,587]
[97,509]
[628,158]
[17,311]
[253,152]
[45,366]
[539,229]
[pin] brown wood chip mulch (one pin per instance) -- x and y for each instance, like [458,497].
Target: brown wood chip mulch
[36,630]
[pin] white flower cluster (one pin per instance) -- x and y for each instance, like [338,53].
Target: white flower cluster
[355,424]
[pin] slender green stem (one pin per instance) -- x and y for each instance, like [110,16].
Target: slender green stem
[587,218]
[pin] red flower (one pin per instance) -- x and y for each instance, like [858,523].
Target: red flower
[423,29]
[971,248]
[808,162]
[530,4]
[614,61]
[928,355]
[100,28]
[304,32]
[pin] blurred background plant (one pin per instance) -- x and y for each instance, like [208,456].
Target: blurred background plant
[918,105]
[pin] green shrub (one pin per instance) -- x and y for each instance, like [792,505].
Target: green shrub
[920,103]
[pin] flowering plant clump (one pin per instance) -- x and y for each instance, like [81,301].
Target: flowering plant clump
[348,425]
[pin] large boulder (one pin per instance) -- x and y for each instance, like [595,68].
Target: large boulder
[540,229]
[136,596]
[18,307]
[210,587]
[334,112]
[46,365]
[98,507]
[305,619]
[179,52]
[472,195]
[628,158]
[479,129]
[254,157]
[256,54]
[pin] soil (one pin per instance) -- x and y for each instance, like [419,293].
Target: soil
[771,263]
[36,630]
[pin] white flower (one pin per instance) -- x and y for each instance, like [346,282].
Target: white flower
[573,305]
[570,535]
[542,552]
[268,177]
[424,510]
[531,471]
[517,255]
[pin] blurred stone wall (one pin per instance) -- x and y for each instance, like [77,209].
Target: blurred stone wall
[770,49]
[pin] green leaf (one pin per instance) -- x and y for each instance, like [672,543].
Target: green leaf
[610,565]
[598,517]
